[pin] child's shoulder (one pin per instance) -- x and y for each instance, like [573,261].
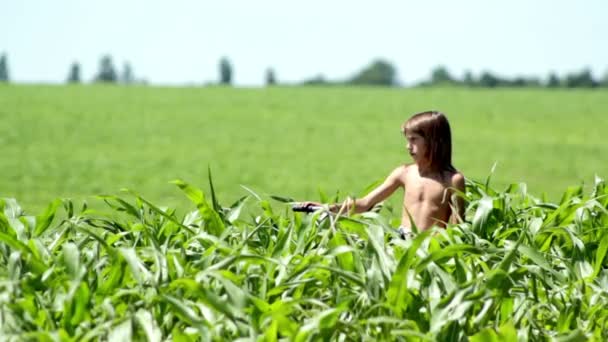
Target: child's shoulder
[409,166]
[456,177]
[405,168]
[401,172]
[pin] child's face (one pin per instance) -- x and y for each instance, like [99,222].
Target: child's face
[416,146]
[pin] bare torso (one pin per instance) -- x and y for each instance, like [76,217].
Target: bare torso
[426,197]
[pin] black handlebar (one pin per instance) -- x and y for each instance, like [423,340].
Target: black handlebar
[305,208]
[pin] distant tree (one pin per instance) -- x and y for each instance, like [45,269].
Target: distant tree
[521,82]
[468,79]
[107,73]
[4,77]
[74,74]
[533,82]
[225,71]
[518,82]
[127,74]
[379,72]
[440,75]
[583,79]
[604,80]
[488,80]
[553,81]
[270,77]
[317,80]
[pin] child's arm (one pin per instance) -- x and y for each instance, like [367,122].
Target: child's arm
[380,193]
[457,199]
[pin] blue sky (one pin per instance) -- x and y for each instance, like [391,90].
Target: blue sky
[180,42]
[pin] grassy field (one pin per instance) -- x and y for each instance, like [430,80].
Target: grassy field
[518,268]
[80,141]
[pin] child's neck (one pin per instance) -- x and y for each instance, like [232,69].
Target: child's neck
[424,168]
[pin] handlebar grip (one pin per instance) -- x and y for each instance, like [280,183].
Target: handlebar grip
[305,209]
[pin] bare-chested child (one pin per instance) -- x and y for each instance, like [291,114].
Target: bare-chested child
[429,183]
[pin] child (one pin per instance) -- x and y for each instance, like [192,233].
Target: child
[430,182]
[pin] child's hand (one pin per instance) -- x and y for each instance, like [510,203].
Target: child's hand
[306,207]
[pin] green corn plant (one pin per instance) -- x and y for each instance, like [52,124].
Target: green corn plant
[517,268]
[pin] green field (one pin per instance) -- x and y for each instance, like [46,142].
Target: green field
[518,268]
[80,141]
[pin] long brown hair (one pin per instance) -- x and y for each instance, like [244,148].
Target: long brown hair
[434,127]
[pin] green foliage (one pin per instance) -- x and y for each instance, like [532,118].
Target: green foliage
[553,81]
[107,72]
[4,74]
[226,73]
[127,76]
[517,269]
[488,80]
[604,80]
[468,79]
[441,75]
[271,78]
[582,79]
[318,80]
[74,74]
[379,72]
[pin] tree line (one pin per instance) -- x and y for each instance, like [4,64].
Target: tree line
[378,73]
